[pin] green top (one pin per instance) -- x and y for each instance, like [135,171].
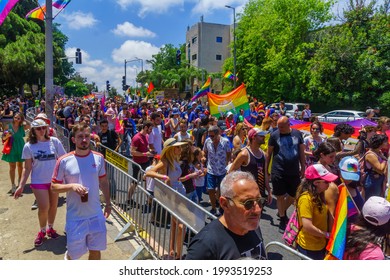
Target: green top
[17,145]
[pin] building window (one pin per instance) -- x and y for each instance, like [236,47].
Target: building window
[194,57]
[194,39]
[218,57]
[219,39]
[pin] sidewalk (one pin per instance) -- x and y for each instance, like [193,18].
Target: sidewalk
[19,226]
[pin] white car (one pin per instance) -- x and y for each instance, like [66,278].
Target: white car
[341,116]
[291,108]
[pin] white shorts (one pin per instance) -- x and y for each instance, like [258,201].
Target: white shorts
[84,235]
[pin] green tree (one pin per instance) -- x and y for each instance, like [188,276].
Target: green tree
[272,42]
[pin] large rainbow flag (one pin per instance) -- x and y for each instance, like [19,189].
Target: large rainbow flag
[328,128]
[338,237]
[204,90]
[230,102]
[5,7]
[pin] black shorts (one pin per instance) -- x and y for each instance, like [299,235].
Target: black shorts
[282,184]
[136,169]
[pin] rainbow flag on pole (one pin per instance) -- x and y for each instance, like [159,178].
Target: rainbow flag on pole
[338,237]
[61,4]
[5,7]
[205,89]
[38,13]
[230,102]
[229,75]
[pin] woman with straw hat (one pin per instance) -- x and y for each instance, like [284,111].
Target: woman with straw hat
[168,170]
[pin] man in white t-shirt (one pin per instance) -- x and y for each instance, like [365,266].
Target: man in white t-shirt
[155,137]
[79,174]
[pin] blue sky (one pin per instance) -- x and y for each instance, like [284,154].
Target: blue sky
[110,31]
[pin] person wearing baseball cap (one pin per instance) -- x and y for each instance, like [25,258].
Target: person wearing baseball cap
[313,211]
[252,159]
[43,116]
[366,237]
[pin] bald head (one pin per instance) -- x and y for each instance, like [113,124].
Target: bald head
[284,125]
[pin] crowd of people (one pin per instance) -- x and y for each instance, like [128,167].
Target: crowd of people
[241,164]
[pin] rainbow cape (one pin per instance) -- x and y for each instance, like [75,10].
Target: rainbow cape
[230,102]
[204,90]
[229,75]
[345,208]
[6,7]
[38,13]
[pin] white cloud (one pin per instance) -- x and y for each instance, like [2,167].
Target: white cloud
[208,6]
[131,49]
[78,20]
[151,6]
[130,30]
[100,71]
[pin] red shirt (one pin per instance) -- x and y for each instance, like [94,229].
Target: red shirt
[141,142]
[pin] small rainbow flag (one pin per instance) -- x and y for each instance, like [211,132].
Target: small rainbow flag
[229,75]
[205,89]
[230,102]
[5,8]
[338,237]
[89,97]
[61,4]
[38,13]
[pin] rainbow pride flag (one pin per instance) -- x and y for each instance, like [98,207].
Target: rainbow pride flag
[345,208]
[229,75]
[204,90]
[230,102]
[38,13]
[89,97]
[61,4]
[328,128]
[6,7]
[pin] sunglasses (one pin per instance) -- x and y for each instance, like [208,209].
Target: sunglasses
[248,204]
[40,128]
[315,129]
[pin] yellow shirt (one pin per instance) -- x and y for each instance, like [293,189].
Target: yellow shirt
[308,209]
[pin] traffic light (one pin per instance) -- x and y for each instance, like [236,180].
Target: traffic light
[124,82]
[178,57]
[108,86]
[78,56]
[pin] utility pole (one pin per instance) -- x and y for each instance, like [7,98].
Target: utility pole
[49,76]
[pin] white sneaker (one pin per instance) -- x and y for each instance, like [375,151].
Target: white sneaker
[34,205]
[13,189]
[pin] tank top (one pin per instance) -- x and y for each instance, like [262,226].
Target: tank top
[256,166]
[174,175]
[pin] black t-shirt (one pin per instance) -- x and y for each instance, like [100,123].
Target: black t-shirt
[198,136]
[215,242]
[108,139]
[286,152]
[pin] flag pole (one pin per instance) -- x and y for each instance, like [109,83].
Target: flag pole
[49,97]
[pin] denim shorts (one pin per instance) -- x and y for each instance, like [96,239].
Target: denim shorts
[214,181]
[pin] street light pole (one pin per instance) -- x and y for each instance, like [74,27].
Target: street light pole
[132,60]
[234,42]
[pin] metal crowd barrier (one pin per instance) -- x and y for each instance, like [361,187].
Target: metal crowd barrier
[30,114]
[284,250]
[167,217]
[63,136]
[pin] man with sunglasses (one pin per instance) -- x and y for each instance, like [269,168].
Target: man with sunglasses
[236,234]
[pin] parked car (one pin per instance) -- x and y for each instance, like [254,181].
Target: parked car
[291,108]
[341,116]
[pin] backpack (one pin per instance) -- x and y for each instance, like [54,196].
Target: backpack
[292,230]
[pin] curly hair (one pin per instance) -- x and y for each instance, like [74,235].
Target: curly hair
[377,140]
[308,186]
[364,235]
[32,136]
[343,128]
